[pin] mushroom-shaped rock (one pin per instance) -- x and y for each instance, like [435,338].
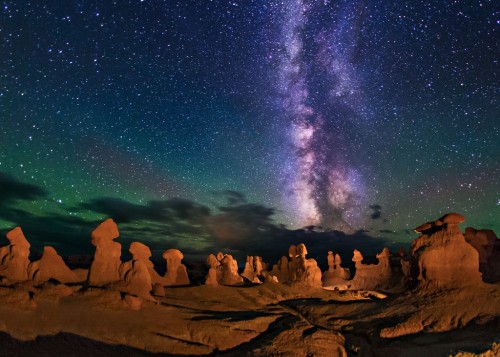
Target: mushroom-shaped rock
[14,258]
[452,218]
[357,258]
[142,252]
[176,273]
[444,258]
[106,264]
[51,266]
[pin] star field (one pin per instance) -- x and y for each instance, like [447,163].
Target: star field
[356,116]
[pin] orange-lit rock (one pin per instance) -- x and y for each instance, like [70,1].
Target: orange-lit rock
[372,276]
[214,271]
[335,275]
[444,258]
[176,273]
[303,270]
[51,266]
[14,258]
[106,264]
[254,268]
[230,274]
[280,270]
[138,280]
[142,252]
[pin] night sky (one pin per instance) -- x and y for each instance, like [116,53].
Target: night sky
[227,124]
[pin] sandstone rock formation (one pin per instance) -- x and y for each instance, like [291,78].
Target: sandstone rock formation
[223,270]
[303,270]
[141,252]
[444,258]
[372,276]
[487,245]
[176,273]
[138,280]
[214,271]
[51,266]
[253,271]
[106,264]
[281,270]
[230,274]
[335,275]
[14,258]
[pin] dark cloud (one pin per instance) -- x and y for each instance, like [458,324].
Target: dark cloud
[376,211]
[11,189]
[233,197]
[387,231]
[159,211]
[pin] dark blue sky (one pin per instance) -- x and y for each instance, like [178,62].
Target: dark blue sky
[352,115]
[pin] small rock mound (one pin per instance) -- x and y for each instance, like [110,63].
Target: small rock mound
[51,266]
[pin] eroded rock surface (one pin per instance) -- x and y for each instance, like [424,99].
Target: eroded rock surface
[444,258]
[176,273]
[51,266]
[14,258]
[106,264]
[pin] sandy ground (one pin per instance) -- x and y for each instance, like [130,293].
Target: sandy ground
[262,320]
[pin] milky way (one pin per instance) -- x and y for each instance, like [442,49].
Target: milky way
[322,99]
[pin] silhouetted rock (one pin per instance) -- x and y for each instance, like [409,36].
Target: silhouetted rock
[51,266]
[106,264]
[176,273]
[444,258]
[14,259]
[487,245]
